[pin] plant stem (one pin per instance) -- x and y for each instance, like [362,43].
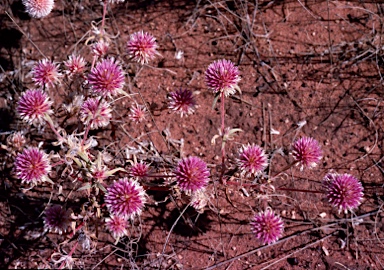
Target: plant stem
[222,109]
[48,119]
[69,255]
[104,14]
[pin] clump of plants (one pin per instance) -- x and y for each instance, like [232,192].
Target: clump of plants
[116,195]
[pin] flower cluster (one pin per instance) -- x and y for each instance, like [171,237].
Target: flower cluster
[137,113]
[75,65]
[223,76]
[139,170]
[142,47]
[100,48]
[307,152]
[117,225]
[125,198]
[252,160]
[57,218]
[38,8]
[182,101]
[107,78]
[95,112]
[343,191]
[46,73]
[191,174]
[267,226]
[32,166]
[33,106]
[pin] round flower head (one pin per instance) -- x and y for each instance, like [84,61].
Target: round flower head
[57,219]
[125,198]
[107,78]
[16,140]
[117,225]
[182,102]
[307,152]
[139,170]
[223,76]
[96,113]
[38,8]
[267,226]
[343,191]
[33,106]
[199,200]
[32,166]
[137,113]
[192,174]
[100,48]
[142,47]
[252,160]
[45,73]
[75,64]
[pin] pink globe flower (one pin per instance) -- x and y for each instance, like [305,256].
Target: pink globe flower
[182,101]
[267,226]
[32,166]
[107,78]
[137,113]
[191,174]
[117,225]
[100,48]
[95,113]
[45,73]
[34,106]
[343,191]
[307,152]
[142,47]
[252,160]
[75,65]
[38,8]
[139,170]
[125,198]
[223,76]
[57,219]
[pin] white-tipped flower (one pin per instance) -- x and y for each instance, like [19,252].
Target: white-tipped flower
[38,8]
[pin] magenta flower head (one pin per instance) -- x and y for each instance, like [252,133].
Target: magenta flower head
[142,47]
[343,191]
[34,106]
[107,78]
[252,160]
[95,112]
[137,113]
[125,198]
[117,225]
[267,226]
[182,101]
[32,166]
[307,152]
[139,170]
[75,65]
[223,76]
[38,8]
[191,174]
[46,73]
[57,218]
